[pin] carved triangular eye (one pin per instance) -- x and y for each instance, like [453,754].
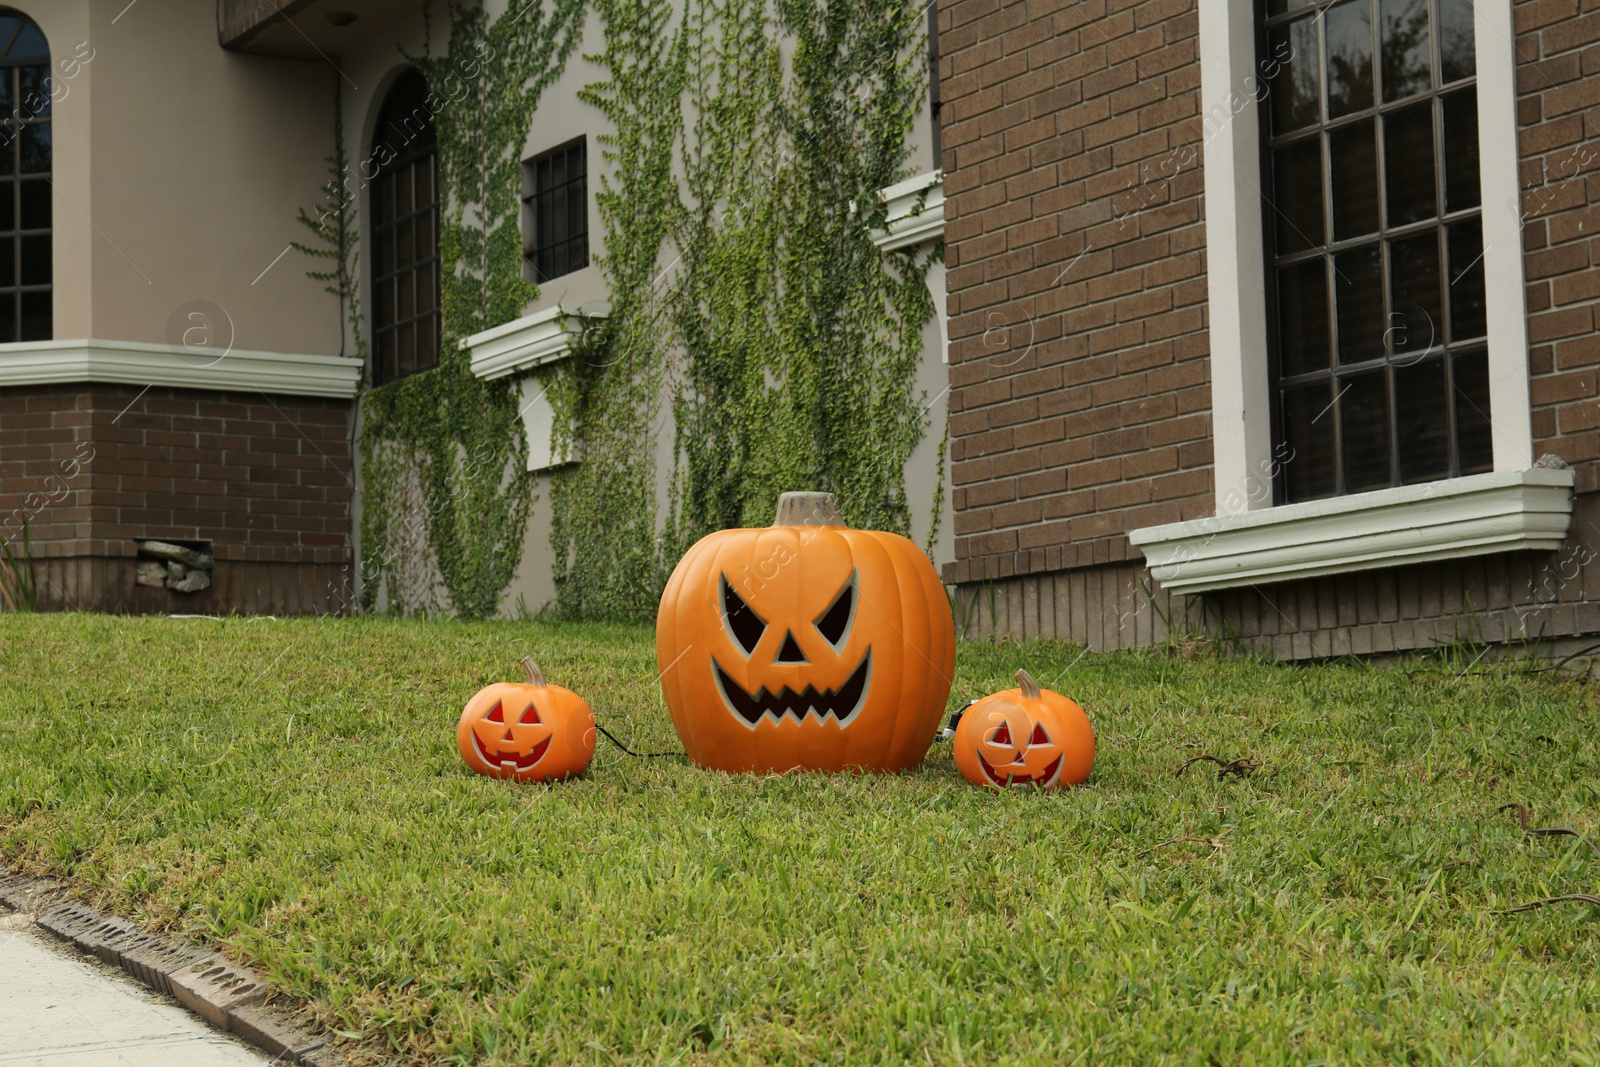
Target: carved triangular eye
[1002,736]
[834,624]
[742,621]
[496,715]
[530,716]
[1039,736]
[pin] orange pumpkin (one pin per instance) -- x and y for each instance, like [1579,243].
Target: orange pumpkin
[536,732]
[1025,736]
[805,645]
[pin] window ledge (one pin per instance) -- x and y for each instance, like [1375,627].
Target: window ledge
[916,212]
[217,369]
[1503,511]
[531,341]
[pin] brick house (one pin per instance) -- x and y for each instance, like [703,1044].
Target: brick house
[1258,320]
[162,376]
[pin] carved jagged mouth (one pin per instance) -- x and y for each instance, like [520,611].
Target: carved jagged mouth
[840,704]
[1012,776]
[502,759]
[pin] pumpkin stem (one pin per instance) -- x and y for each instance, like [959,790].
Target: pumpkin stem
[808,509]
[535,675]
[1030,688]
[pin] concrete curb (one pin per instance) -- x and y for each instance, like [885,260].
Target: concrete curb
[230,997]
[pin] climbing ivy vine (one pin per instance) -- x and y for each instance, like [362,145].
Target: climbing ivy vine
[459,437]
[747,298]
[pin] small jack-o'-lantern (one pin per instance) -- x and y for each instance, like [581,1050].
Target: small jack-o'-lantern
[805,645]
[536,732]
[1025,736]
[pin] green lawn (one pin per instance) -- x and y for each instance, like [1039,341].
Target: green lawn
[291,789]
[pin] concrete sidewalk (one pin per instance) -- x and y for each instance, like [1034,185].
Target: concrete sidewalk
[60,1008]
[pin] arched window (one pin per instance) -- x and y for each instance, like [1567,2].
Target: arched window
[405,234]
[25,307]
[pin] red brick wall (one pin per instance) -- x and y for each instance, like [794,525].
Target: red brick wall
[1079,387]
[268,481]
[1080,392]
[1558,110]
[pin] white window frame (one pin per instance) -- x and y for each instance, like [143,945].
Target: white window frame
[1241,395]
[1516,507]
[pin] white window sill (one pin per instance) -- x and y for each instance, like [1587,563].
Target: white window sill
[1503,511]
[531,341]
[916,212]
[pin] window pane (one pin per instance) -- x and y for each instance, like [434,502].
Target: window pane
[1297,195]
[427,234]
[1358,291]
[1295,89]
[403,234]
[1457,50]
[1416,319]
[1407,48]
[8,206]
[1308,421]
[37,324]
[36,260]
[1422,421]
[1353,155]
[33,84]
[383,251]
[1349,40]
[35,204]
[1474,437]
[8,261]
[428,343]
[8,150]
[8,317]
[1279,7]
[30,44]
[1303,317]
[406,345]
[35,150]
[382,201]
[383,305]
[424,176]
[1461,150]
[405,295]
[427,291]
[1364,428]
[402,192]
[1408,165]
[1467,315]
[384,364]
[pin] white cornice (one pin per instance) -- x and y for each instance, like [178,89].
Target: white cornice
[1503,511]
[214,369]
[530,341]
[916,212]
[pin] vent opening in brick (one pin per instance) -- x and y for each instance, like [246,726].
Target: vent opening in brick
[182,566]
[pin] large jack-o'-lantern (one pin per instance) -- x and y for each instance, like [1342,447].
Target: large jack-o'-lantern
[536,732]
[805,645]
[1024,737]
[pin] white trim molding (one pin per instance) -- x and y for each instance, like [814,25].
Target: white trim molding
[1232,86]
[1502,511]
[177,366]
[916,212]
[531,341]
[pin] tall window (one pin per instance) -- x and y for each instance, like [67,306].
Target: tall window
[25,268]
[555,195]
[1375,240]
[405,235]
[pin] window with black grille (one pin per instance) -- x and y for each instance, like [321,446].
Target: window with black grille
[26,309]
[1375,241]
[405,234]
[555,196]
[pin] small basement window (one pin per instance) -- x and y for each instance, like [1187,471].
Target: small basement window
[182,566]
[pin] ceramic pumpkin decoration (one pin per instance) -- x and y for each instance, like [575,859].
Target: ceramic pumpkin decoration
[534,732]
[1025,736]
[806,644]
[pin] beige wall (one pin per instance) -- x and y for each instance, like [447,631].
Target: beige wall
[192,163]
[562,117]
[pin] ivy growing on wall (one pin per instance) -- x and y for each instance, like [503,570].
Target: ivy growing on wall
[750,284]
[459,437]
